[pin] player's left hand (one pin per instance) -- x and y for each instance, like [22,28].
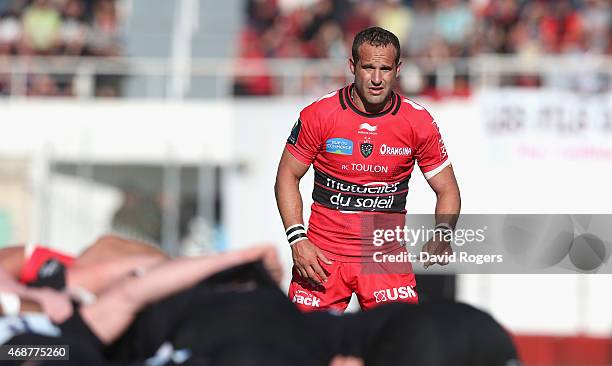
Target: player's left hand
[440,249]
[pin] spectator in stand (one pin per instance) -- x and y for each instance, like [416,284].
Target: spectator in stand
[322,12]
[10,32]
[10,6]
[5,6]
[5,86]
[260,84]
[395,17]
[359,18]
[422,31]
[104,37]
[561,28]
[104,41]
[529,23]
[75,29]
[453,24]
[423,28]
[328,42]
[42,85]
[597,20]
[42,23]
[503,13]
[498,20]
[262,14]
[293,24]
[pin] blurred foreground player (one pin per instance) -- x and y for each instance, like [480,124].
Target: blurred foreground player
[88,328]
[215,322]
[436,334]
[240,317]
[104,262]
[237,317]
[363,141]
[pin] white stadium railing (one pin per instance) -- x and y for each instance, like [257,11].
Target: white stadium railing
[296,77]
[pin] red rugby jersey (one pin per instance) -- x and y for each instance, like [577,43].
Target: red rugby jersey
[362,165]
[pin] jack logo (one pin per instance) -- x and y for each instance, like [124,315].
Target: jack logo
[395,293]
[305,298]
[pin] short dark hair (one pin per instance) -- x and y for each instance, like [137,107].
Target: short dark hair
[377,37]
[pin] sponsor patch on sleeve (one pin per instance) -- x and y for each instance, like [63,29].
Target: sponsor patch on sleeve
[339,146]
[295,132]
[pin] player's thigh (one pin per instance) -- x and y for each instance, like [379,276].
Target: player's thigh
[333,294]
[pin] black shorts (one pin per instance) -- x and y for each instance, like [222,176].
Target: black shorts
[75,328]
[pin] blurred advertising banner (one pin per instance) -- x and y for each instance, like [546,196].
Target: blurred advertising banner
[15,200]
[116,132]
[547,124]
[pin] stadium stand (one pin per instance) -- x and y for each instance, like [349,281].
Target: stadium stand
[58,28]
[432,32]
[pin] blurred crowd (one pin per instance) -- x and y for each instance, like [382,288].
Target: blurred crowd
[430,31]
[58,27]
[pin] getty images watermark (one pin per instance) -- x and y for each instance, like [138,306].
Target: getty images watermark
[410,237]
[492,243]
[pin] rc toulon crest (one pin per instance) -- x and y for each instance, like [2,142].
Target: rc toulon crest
[366,148]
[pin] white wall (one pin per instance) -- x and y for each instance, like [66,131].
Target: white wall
[114,131]
[102,132]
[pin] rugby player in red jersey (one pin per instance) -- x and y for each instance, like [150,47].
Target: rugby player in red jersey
[362,141]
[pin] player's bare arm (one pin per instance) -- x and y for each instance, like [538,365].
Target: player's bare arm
[448,206]
[306,255]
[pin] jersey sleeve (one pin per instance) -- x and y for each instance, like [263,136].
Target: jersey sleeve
[305,140]
[431,153]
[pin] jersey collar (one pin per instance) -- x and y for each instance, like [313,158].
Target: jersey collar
[345,100]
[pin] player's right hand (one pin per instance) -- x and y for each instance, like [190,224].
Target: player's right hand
[306,257]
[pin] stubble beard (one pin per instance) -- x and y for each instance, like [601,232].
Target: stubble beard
[373,100]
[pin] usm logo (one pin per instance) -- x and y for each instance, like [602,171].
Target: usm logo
[395,293]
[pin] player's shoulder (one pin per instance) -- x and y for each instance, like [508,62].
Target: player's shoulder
[324,105]
[414,112]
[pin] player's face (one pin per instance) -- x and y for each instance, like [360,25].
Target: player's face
[375,74]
